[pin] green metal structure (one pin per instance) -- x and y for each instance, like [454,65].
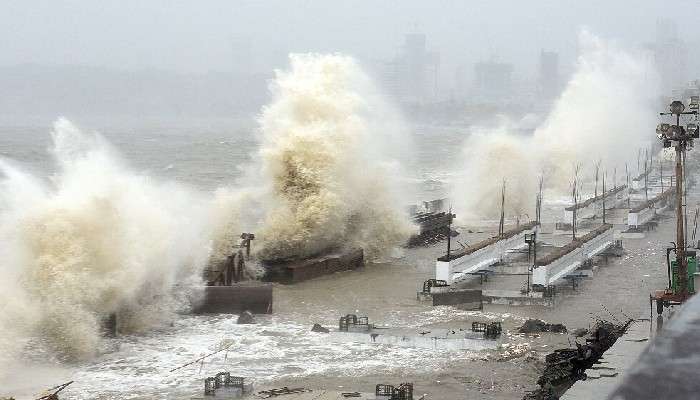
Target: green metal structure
[692,268]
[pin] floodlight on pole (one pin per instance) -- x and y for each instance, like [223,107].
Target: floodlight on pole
[677,107]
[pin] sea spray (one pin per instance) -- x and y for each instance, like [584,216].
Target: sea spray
[98,239]
[327,145]
[604,114]
[492,160]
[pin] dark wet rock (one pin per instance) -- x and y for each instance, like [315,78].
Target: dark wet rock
[580,332]
[319,328]
[538,326]
[563,367]
[246,317]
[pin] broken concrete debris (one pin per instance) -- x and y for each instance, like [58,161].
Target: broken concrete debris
[566,366]
[245,318]
[538,326]
[319,328]
[266,394]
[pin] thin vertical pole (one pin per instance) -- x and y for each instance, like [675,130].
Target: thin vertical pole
[627,171]
[680,230]
[604,173]
[501,224]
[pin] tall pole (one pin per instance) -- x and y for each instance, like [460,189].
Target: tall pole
[627,171]
[680,230]
[501,224]
[639,155]
[449,235]
[677,135]
[661,168]
[646,190]
[574,212]
[597,172]
[604,173]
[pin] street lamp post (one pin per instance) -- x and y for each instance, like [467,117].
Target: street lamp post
[676,136]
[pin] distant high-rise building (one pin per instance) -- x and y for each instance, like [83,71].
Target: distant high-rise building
[493,81]
[412,75]
[548,79]
[670,55]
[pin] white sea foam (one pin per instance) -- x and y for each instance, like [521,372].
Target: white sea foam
[604,114]
[97,239]
[326,156]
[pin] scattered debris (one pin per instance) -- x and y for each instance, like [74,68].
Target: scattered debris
[246,317]
[224,380]
[431,283]
[580,332]
[202,358]
[402,392]
[491,330]
[537,326]
[511,351]
[266,394]
[319,328]
[566,366]
[433,223]
[353,323]
[52,393]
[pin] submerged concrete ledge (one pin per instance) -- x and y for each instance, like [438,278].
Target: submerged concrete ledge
[301,270]
[250,296]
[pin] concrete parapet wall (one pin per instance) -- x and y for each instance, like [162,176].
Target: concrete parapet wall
[645,212]
[593,207]
[563,265]
[638,218]
[459,268]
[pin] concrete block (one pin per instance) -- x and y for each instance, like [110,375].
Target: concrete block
[255,297]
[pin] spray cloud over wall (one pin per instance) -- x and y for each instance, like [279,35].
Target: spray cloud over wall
[98,239]
[327,144]
[605,112]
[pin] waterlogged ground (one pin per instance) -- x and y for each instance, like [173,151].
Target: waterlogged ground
[280,349]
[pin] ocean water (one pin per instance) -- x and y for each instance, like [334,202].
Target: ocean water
[280,349]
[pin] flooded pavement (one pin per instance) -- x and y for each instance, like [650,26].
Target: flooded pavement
[281,349]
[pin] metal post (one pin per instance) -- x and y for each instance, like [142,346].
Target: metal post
[680,230]
[627,171]
[501,226]
[449,235]
[597,173]
[646,173]
[604,193]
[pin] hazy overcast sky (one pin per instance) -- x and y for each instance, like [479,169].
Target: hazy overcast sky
[198,36]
